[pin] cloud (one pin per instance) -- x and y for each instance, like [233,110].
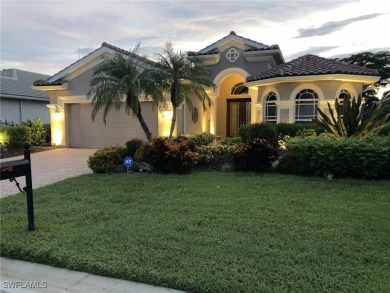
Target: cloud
[311,50]
[332,26]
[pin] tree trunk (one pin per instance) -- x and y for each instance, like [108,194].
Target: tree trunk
[173,123]
[143,123]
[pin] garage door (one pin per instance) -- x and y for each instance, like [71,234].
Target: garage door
[85,133]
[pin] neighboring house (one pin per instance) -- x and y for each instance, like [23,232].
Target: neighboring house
[253,84]
[18,101]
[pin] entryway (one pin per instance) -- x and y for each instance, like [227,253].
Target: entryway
[238,114]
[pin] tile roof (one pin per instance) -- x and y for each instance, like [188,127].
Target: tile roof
[16,83]
[312,65]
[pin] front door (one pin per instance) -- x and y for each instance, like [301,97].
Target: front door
[238,114]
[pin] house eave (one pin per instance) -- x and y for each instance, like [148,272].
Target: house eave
[25,98]
[45,88]
[313,78]
[210,59]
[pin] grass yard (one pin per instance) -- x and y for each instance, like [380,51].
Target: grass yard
[211,232]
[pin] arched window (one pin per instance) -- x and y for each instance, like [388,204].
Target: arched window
[271,109]
[343,94]
[239,89]
[306,103]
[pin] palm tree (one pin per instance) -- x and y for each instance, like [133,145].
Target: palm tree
[124,77]
[185,77]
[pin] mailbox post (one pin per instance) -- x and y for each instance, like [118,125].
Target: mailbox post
[12,169]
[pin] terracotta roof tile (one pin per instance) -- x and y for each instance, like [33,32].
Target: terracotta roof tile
[312,65]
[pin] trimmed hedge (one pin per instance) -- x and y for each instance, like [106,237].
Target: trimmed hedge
[265,131]
[350,157]
[16,135]
[106,159]
[291,129]
[216,157]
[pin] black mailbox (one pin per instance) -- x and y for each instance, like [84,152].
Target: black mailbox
[17,168]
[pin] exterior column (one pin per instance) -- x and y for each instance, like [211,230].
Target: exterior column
[254,93]
[213,114]
[57,121]
[259,110]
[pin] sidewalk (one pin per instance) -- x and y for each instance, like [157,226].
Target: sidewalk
[26,277]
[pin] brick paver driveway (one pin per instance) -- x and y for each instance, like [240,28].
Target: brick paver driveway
[51,166]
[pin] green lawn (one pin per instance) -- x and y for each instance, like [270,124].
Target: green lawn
[211,232]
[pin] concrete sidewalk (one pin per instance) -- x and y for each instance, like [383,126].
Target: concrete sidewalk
[49,167]
[21,277]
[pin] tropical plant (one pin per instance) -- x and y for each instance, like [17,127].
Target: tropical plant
[124,76]
[352,119]
[185,77]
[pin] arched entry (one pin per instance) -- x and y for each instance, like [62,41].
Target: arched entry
[231,102]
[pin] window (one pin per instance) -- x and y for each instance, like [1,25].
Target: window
[239,89]
[232,55]
[343,94]
[271,109]
[306,103]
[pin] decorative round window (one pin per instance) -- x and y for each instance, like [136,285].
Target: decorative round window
[195,115]
[232,55]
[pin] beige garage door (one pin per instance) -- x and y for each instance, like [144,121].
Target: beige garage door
[85,133]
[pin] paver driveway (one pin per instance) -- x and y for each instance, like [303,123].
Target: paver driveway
[51,166]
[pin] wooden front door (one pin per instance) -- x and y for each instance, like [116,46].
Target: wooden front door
[238,114]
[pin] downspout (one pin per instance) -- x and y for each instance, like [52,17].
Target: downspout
[21,111]
[184,120]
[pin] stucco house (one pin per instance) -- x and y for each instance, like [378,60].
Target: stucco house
[18,102]
[253,84]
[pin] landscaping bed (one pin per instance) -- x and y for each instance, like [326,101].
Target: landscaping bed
[210,232]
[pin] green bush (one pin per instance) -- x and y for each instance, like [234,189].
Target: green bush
[4,136]
[369,158]
[173,156]
[106,159]
[291,129]
[230,141]
[216,157]
[132,146]
[257,156]
[142,153]
[17,135]
[38,132]
[293,163]
[264,131]
[200,139]
[48,133]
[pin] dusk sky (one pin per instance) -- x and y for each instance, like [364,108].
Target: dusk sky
[47,36]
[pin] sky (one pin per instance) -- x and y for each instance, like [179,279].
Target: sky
[47,36]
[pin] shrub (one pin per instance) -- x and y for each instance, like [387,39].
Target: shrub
[216,157]
[306,132]
[132,146]
[17,135]
[142,153]
[48,133]
[200,139]
[4,136]
[264,131]
[230,141]
[106,159]
[350,157]
[257,156]
[38,132]
[291,129]
[293,163]
[173,156]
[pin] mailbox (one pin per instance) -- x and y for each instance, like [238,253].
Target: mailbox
[18,168]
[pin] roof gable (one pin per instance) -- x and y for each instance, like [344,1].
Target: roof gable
[312,65]
[230,40]
[84,64]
